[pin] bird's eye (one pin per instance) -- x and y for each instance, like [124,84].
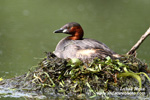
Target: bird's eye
[68,27]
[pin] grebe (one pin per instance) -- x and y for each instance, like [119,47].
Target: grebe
[75,46]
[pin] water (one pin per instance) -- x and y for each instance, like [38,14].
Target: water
[26,28]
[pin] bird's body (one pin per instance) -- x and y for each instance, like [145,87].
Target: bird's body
[75,46]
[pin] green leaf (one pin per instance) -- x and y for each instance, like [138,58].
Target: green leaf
[90,88]
[145,75]
[1,78]
[134,75]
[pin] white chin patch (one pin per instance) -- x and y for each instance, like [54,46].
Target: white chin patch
[65,30]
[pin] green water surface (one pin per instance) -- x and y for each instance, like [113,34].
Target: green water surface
[26,28]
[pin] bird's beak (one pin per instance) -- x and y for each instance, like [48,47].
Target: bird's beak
[58,31]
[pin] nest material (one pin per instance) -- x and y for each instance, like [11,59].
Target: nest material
[55,76]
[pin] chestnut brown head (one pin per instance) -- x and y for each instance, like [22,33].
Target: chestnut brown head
[74,29]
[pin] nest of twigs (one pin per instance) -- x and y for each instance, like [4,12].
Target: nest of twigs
[72,77]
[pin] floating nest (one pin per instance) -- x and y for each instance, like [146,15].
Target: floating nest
[54,76]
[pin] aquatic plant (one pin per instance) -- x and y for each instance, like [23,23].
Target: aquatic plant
[72,77]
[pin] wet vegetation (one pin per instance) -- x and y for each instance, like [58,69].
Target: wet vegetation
[99,78]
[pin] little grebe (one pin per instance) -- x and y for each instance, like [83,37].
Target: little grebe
[75,46]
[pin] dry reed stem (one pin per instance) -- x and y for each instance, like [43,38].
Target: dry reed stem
[136,46]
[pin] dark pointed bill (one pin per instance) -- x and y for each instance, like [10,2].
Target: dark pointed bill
[58,31]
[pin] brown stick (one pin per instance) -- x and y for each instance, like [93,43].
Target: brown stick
[136,46]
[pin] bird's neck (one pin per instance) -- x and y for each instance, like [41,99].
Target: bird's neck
[78,35]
